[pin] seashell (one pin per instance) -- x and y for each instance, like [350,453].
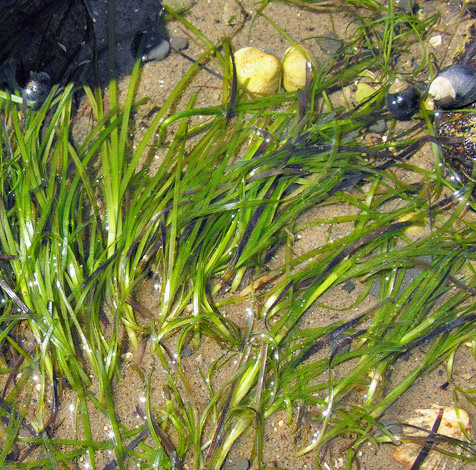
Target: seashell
[150,45]
[454,86]
[455,424]
[258,71]
[294,67]
[37,88]
[402,100]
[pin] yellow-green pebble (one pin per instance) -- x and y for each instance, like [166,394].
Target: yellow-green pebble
[294,67]
[257,70]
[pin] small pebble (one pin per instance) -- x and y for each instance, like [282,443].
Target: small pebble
[435,41]
[340,345]
[391,426]
[410,275]
[231,13]
[178,43]
[178,5]
[187,351]
[150,45]
[158,52]
[330,44]
[378,127]
[236,463]
[349,286]
[407,6]
[363,92]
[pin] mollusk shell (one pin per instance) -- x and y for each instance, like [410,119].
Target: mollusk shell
[403,104]
[257,70]
[456,131]
[454,424]
[37,89]
[294,67]
[454,86]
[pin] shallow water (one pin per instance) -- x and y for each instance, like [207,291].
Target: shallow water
[216,19]
[305,28]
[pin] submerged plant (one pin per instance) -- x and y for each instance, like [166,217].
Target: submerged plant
[82,225]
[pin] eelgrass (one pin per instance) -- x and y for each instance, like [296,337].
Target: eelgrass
[81,225]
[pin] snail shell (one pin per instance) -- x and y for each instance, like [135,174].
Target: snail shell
[38,87]
[454,86]
[257,70]
[402,100]
[294,67]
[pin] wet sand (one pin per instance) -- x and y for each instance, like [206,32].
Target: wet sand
[213,18]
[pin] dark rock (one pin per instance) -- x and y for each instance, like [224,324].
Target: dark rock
[44,36]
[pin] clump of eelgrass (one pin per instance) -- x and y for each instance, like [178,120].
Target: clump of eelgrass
[81,226]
